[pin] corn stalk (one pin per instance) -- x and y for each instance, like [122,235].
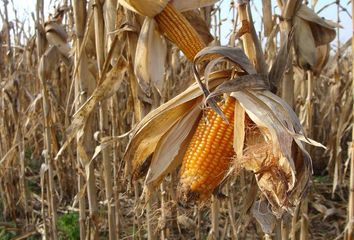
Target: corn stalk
[80,18]
[350,232]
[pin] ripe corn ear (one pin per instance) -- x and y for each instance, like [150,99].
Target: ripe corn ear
[176,27]
[208,155]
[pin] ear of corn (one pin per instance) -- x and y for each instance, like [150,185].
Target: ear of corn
[176,27]
[208,155]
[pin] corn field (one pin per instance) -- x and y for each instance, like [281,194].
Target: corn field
[173,119]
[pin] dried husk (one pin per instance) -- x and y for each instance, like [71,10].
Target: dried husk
[311,31]
[150,57]
[322,58]
[57,36]
[172,146]
[323,31]
[304,44]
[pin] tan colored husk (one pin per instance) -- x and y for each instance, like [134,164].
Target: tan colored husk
[311,31]
[150,57]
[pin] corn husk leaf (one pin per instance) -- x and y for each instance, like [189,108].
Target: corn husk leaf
[239,130]
[322,58]
[311,31]
[150,57]
[57,36]
[323,31]
[304,44]
[147,134]
[166,158]
[148,8]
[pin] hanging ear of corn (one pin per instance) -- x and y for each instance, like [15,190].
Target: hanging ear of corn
[208,155]
[179,31]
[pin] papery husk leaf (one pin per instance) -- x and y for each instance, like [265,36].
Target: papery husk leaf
[165,157]
[268,123]
[323,31]
[304,44]
[148,8]
[109,85]
[239,129]
[56,35]
[273,149]
[199,24]
[183,5]
[145,142]
[272,171]
[150,57]
[154,125]
[322,58]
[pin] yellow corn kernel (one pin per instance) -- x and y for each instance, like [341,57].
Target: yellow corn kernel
[208,155]
[180,31]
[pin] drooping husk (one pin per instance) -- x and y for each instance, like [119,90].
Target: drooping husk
[311,31]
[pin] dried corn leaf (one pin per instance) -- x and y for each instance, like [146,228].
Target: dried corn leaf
[215,55]
[150,57]
[109,85]
[148,8]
